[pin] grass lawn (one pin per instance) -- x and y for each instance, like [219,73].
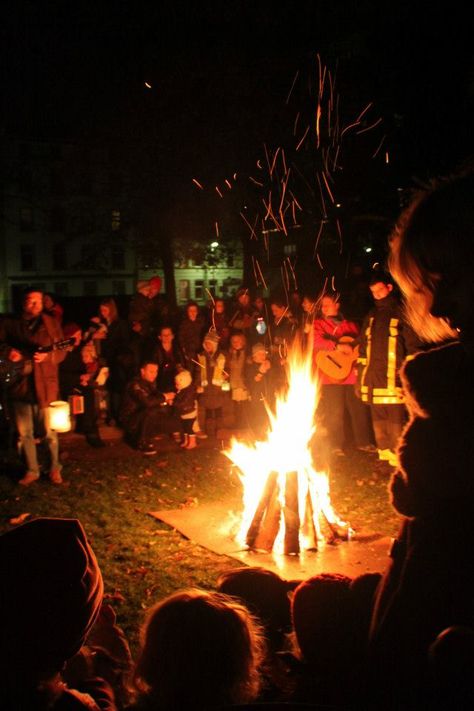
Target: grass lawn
[112,489]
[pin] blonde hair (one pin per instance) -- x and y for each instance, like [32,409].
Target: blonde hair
[199,649]
[433,241]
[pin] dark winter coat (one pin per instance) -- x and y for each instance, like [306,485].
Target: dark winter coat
[436,451]
[185,401]
[144,311]
[170,363]
[190,334]
[386,340]
[428,584]
[140,395]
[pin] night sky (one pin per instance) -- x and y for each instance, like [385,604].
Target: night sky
[220,74]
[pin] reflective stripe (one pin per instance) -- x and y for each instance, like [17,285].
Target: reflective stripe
[368,334]
[392,353]
[388,400]
[388,391]
[383,396]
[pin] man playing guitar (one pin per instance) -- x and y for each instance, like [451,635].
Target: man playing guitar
[335,355]
[30,338]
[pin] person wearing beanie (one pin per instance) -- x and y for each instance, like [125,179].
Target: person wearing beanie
[51,592]
[143,307]
[257,377]
[237,359]
[211,381]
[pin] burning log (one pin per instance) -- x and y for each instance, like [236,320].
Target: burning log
[287,506]
[291,514]
[266,521]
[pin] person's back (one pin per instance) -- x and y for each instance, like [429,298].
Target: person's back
[428,584]
[199,650]
[51,591]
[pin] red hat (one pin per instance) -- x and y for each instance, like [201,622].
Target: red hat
[155,282]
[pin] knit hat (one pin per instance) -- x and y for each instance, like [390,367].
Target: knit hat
[51,591]
[155,282]
[211,336]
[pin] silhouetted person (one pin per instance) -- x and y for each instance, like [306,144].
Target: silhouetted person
[429,582]
[51,593]
[199,650]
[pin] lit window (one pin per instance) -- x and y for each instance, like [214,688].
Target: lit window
[198,289]
[183,290]
[289,249]
[115,223]
[213,286]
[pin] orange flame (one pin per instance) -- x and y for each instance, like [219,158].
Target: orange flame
[286,449]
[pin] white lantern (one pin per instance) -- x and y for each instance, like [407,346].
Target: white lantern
[59,414]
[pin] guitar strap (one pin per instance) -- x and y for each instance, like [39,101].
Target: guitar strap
[47,325]
[34,324]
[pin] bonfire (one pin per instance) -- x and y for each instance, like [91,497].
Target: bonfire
[286,501]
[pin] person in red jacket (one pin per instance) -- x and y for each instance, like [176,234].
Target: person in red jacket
[335,354]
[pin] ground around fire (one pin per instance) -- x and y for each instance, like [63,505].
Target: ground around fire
[113,490]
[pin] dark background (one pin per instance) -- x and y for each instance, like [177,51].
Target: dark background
[220,74]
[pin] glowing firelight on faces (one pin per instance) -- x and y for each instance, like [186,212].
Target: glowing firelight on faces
[287,449]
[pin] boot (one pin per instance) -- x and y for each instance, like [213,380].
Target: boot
[191,441]
[185,441]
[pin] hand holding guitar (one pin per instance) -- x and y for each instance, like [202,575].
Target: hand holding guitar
[338,363]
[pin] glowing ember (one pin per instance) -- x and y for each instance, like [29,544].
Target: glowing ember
[286,501]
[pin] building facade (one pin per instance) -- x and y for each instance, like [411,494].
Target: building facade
[67,228]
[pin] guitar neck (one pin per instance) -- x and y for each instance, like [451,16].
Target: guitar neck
[56,346]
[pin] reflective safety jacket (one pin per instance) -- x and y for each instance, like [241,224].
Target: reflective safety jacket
[386,340]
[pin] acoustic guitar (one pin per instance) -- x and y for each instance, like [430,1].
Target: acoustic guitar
[11,371]
[338,363]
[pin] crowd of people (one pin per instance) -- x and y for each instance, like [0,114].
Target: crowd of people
[154,372]
[401,640]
